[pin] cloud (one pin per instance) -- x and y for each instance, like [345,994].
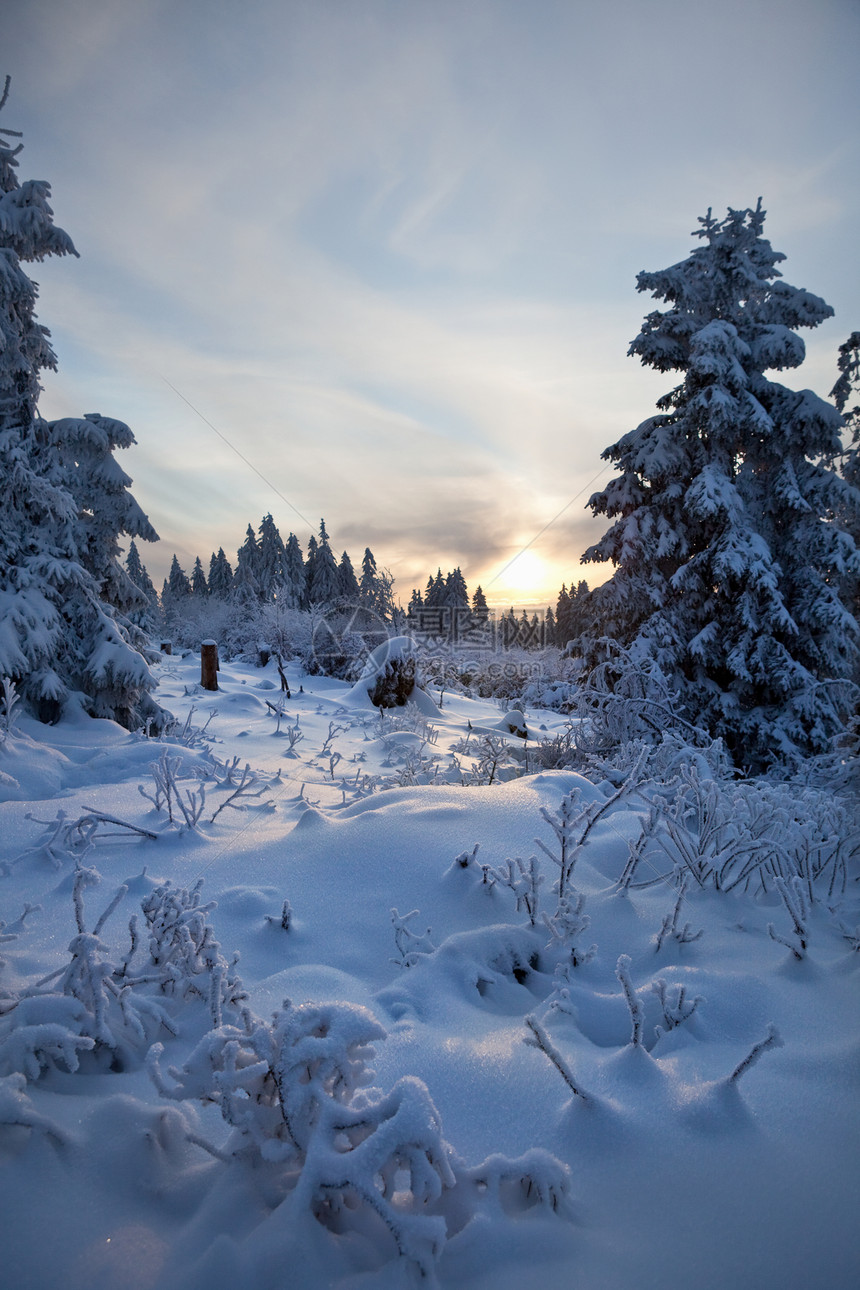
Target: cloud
[389,250]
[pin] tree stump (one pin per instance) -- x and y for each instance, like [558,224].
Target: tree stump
[209,665]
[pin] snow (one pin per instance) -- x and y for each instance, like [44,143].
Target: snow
[660,1170]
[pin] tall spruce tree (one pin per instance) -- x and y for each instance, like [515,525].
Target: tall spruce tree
[323,579]
[310,566]
[271,561]
[59,631]
[456,591]
[246,585]
[294,574]
[199,585]
[728,560]
[144,614]
[220,575]
[137,571]
[177,587]
[346,580]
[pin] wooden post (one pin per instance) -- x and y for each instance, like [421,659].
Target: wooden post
[209,665]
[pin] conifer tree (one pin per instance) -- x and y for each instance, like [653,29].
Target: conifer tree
[294,574]
[563,617]
[323,580]
[220,575]
[271,561]
[136,570]
[479,603]
[456,592]
[177,585]
[728,560]
[144,612]
[346,580]
[549,632]
[58,560]
[434,596]
[246,585]
[199,585]
[310,565]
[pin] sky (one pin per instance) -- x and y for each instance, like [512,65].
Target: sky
[375,262]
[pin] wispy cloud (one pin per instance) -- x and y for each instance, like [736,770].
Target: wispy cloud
[389,250]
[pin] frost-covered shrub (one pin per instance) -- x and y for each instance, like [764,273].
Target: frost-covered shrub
[749,833]
[292,1092]
[623,700]
[239,626]
[101,1003]
[541,678]
[410,945]
[86,1006]
[490,757]
[193,619]
[572,824]
[183,806]
[183,951]
[295,1092]
[17,1109]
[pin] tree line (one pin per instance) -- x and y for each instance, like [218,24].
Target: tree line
[267,570]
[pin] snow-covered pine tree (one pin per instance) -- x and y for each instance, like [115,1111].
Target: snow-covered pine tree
[847,388]
[177,584]
[549,632]
[376,588]
[479,603]
[175,596]
[82,450]
[58,562]
[323,579]
[294,574]
[246,585]
[367,587]
[562,617]
[220,576]
[137,571]
[199,585]
[434,595]
[728,561]
[145,613]
[456,591]
[346,580]
[310,565]
[271,561]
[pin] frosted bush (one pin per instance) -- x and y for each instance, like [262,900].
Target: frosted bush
[295,1093]
[184,956]
[86,1006]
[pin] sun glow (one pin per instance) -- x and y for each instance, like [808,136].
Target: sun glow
[527,579]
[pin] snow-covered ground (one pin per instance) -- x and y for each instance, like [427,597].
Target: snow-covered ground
[575,1156]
